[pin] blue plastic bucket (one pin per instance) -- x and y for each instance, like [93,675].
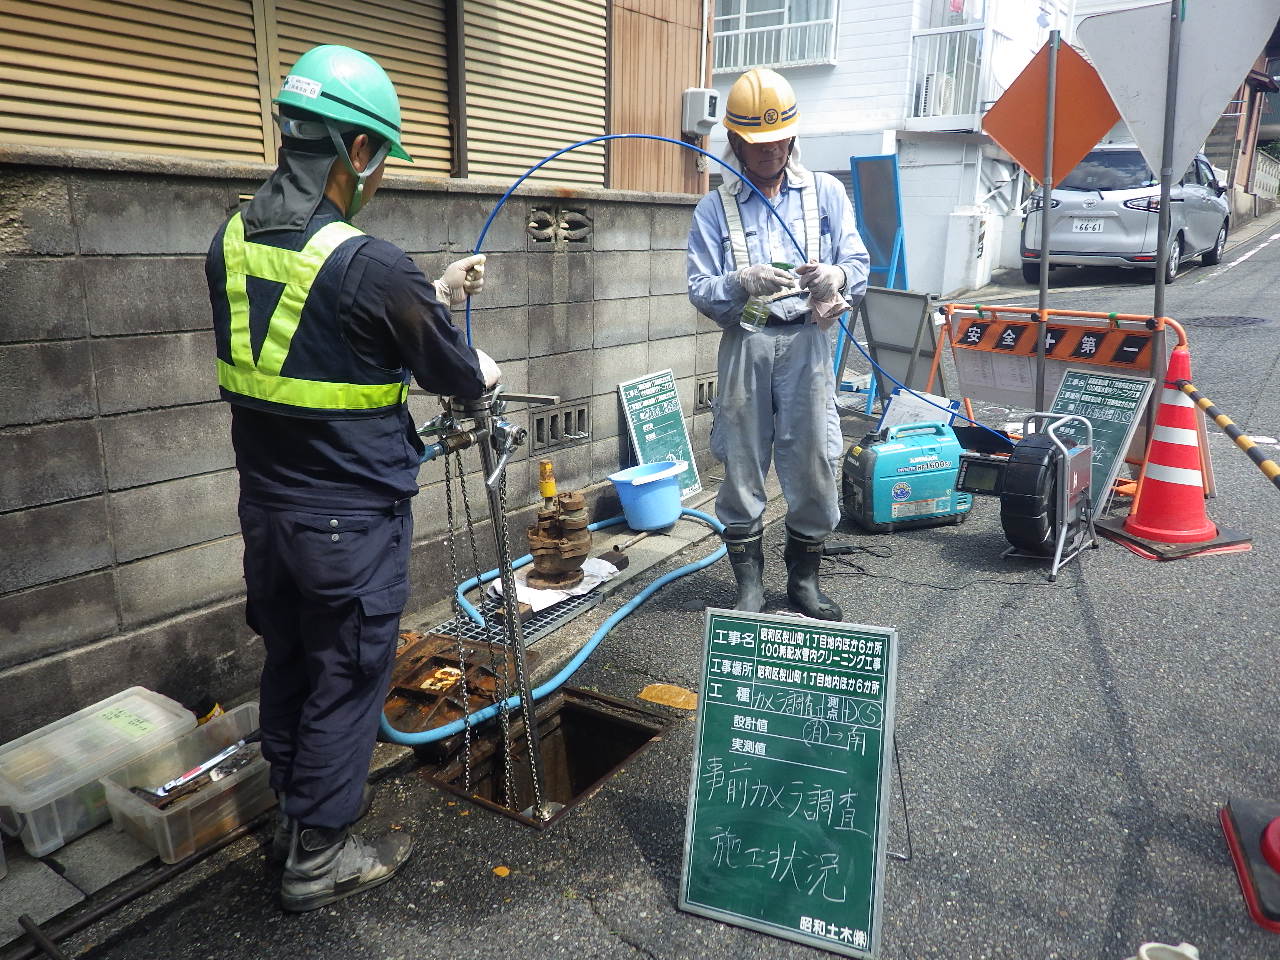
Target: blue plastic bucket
[650,494]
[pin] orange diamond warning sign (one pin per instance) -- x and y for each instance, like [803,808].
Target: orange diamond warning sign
[1083,112]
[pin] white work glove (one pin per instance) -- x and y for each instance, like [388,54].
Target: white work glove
[488,369]
[764,279]
[822,280]
[462,278]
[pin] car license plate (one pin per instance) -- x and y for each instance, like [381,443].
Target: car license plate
[1087,225]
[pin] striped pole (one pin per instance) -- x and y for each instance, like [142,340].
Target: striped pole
[1241,439]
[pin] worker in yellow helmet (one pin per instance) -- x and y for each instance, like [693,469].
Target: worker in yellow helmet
[775,391]
[318,328]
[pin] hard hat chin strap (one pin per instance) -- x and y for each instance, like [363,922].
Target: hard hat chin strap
[357,193]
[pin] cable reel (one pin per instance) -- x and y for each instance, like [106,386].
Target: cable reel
[1046,506]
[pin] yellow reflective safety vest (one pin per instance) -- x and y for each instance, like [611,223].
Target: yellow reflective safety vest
[279,333]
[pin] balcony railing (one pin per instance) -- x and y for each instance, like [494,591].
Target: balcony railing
[946,72]
[1266,175]
[791,45]
[958,73]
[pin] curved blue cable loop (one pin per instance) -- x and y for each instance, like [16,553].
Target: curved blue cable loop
[623,136]
[439,733]
[457,726]
[947,410]
[767,205]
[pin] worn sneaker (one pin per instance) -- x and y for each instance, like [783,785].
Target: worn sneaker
[284,827]
[327,865]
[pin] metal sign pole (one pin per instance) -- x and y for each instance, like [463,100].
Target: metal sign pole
[1166,186]
[1046,199]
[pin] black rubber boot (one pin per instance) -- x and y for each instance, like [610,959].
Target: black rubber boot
[328,864]
[746,556]
[803,556]
[284,826]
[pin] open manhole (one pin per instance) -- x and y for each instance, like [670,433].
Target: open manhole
[1223,321]
[585,738]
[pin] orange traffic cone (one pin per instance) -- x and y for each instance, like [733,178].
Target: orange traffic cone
[1169,519]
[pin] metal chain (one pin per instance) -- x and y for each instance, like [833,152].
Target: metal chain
[493,637]
[457,612]
[516,634]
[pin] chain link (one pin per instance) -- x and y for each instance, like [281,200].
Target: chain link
[457,610]
[493,638]
[516,634]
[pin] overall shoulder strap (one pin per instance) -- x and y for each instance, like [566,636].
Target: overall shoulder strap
[812,221]
[733,218]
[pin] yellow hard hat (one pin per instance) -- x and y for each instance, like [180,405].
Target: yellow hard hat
[761,107]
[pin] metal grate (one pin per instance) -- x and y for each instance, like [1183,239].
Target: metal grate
[536,626]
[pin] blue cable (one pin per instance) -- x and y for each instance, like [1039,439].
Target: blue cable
[767,205]
[457,726]
[448,730]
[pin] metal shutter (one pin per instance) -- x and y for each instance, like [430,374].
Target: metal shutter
[162,77]
[407,37]
[536,82]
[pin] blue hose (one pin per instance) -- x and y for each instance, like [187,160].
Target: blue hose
[439,733]
[457,726]
[460,592]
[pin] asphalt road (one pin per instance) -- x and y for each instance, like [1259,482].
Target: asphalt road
[1065,747]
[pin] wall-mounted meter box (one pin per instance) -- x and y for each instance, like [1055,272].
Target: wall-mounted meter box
[701,110]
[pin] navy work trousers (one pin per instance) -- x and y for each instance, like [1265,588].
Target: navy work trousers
[325,591]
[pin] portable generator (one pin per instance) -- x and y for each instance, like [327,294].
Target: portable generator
[904,476]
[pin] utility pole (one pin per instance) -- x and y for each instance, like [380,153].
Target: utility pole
[1166,153]
[1176,15]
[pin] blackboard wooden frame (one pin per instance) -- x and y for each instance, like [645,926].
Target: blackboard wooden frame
[721,714]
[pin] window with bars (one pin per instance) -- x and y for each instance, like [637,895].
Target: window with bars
[774,33]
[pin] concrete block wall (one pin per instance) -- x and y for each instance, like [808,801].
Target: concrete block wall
[122,559]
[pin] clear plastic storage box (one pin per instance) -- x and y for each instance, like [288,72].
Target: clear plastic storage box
[49,789]
[195,820]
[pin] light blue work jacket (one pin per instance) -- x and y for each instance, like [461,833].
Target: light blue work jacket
[717,294]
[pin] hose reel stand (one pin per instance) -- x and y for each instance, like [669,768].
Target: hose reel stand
[1046,503]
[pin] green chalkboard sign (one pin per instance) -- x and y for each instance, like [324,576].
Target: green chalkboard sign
[789,793]
[1114,404]
[655,418]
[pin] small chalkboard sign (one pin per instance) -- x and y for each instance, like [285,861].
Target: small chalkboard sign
[788,799]
[655,419]
[1114,404]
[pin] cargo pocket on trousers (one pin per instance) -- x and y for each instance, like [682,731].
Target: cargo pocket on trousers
[379,626]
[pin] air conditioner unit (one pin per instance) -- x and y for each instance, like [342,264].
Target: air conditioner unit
[937,95]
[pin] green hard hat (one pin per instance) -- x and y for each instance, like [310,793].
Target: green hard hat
[348,87]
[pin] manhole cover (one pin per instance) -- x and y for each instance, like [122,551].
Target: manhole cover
[1224,321]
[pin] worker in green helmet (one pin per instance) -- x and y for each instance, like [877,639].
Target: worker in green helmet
[318,329]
